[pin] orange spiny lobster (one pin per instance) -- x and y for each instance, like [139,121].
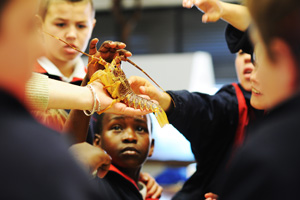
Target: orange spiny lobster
[117,85]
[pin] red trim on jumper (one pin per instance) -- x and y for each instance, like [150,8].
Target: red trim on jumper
[114,169]
[39,69]
[76,79]
[243,117]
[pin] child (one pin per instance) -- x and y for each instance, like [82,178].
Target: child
[127,139]
[35,162]
[73,21]
[267,167]
[214,125]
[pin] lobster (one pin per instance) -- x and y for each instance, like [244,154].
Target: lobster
[115,82]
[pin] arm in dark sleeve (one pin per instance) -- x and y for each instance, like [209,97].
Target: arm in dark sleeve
[197,114]
[238,40]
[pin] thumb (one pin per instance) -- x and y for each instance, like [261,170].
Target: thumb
[210,17]
[93,46]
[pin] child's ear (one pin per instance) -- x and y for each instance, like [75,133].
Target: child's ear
[94,23]
[97,140]
[151,148]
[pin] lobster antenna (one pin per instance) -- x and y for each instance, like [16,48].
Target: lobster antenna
[144,73]
[128,60]
[100,59]
[68,44]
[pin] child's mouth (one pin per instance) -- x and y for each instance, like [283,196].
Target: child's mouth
[130,151]
[70,50]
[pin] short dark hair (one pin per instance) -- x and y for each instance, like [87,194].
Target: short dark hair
[45,5]
[2,6]
[278,19]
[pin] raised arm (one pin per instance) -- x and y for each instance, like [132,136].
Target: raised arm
[236,15]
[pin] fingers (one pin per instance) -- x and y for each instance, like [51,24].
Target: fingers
[210,17]
[104,164]
[125,53]
[93,46]
[153,189]
[187,3]
[110,46]
[102,171]
[211,196]
[158,193]
[137,82]
[121,108]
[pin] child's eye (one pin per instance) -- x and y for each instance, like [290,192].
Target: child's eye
[61,25]
[116,128]
[141,129]
[81,26]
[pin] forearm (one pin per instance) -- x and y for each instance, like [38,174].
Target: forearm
[67,96]
[236,15]
[77,124]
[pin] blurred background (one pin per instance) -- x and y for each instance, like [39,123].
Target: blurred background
[179,52]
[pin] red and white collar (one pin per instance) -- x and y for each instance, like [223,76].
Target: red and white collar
[79,71]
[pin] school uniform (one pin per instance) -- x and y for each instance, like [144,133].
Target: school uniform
[45,66]
[215,126]
[35,161]
[267,166]
[119,186]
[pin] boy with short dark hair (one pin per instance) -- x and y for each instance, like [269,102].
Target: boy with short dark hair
[127,139]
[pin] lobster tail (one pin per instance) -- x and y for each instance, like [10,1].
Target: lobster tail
[161,116]
[137,102]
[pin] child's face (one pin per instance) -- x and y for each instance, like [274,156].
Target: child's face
[72,22]
[126,139]
[270,85]
[244,68]
[19,40]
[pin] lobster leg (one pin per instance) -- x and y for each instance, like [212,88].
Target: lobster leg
[108,107]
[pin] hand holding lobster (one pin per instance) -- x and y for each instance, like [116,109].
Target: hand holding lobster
[108,51]
[142,86]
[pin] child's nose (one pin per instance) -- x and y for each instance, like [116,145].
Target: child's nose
[129,136]
[71,33]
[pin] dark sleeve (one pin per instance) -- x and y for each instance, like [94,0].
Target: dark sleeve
[203,119]
[237,40]
[247,178]
[199,112]
[38,165]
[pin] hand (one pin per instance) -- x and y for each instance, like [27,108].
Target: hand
[93,158]
[108,51]
[212,9]
[211,196]
[117,108]
[142,86]
[153,189]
